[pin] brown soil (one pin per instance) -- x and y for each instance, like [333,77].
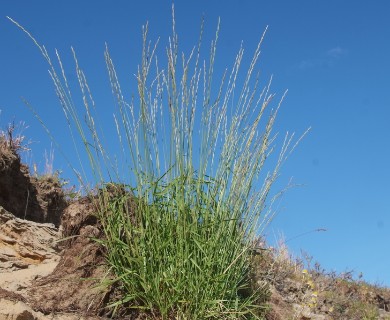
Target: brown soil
[5,294]
[75,284]
[36,199]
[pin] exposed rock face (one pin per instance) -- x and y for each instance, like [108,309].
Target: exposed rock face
[28,251]
[14,307]
[74,283]
[40,200]
[24,243]
[41,276]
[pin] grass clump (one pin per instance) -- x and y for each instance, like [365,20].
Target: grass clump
[179,230]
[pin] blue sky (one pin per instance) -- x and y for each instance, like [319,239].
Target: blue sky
[332,56]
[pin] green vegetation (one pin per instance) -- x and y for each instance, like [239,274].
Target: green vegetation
[179,238]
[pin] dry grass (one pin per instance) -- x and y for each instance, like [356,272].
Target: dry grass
[12,139]
[299,292]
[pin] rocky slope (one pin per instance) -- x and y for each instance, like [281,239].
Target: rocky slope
[51,268]
[40,273]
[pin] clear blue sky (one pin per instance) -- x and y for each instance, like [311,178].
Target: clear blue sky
[333,56]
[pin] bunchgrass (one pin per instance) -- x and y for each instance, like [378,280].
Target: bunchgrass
[178,232]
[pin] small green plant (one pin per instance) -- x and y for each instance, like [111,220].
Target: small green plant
[311,297]
[179,230]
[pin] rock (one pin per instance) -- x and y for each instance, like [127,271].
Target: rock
[37,199]
[305,313]
[28,251]
[15,310]
[384,315]
[24,243]
[75,282]
[37,274]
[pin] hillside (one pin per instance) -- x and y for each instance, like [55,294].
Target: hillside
[52,267]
